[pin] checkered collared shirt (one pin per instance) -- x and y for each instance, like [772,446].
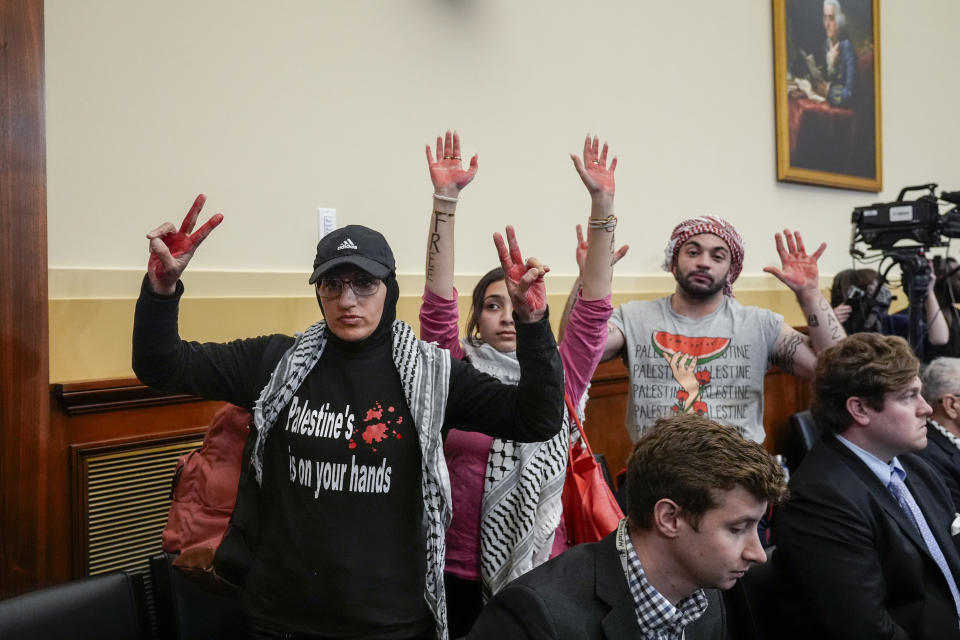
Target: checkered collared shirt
[658,619]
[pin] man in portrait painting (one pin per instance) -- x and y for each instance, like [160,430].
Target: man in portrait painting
[834,75]
[830,60]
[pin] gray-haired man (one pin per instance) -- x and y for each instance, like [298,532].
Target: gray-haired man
[941,389]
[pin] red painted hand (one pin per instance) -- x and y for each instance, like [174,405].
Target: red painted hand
[799,272]
[171,249]
[583,246]
[447,172]
[593,169]
[524,279]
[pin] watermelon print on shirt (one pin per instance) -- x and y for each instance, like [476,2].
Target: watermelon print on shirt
[713,365]
[685,354]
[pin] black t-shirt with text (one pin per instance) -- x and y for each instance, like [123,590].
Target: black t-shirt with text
[344,451]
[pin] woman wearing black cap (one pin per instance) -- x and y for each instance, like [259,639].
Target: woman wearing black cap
[345,496]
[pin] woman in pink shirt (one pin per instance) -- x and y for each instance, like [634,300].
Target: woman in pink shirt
[507,513]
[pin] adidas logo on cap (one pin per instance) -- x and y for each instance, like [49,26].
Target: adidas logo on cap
[348,244]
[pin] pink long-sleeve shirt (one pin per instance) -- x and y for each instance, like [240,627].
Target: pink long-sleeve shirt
[466,452]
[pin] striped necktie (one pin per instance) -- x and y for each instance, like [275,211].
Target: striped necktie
[912,509]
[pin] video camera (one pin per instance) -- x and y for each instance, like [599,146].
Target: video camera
[880,226]
[866,308]
[902,231]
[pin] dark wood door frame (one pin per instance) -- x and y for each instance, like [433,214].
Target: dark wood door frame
[25,552]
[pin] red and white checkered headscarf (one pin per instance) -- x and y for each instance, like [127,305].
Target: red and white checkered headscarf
[707,224]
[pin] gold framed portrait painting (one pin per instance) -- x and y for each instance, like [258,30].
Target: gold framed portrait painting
[827,84]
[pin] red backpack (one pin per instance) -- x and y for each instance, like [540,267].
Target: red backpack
[205,490]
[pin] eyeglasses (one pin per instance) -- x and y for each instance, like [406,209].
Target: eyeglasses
[333,287]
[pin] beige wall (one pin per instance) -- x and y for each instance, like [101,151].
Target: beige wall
[90,336]
[275,109]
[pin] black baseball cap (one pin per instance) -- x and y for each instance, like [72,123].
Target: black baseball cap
[356,245]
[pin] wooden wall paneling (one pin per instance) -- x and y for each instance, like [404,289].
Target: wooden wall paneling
[95,416]
[24,367]
[783,395]
[606,414]
[121,498]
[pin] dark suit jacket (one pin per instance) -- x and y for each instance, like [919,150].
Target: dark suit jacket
[851,564]
[582,594]
[945,458]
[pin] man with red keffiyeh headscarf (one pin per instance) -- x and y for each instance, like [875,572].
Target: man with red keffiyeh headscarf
[699,350]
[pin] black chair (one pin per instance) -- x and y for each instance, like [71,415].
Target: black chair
[762,596]
[189,610]
[807,434]
[105,606]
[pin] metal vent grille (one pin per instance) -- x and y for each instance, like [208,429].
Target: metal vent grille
[126,502]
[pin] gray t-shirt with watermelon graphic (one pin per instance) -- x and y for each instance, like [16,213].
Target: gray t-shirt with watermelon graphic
[734,347]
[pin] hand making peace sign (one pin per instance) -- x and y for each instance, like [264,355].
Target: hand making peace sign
[524,279]
[171,249]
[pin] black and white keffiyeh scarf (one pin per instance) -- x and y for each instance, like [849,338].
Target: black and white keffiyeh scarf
[521,505]
[425,375]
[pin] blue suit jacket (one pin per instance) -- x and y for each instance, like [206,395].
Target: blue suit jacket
[843,80]
[851,564]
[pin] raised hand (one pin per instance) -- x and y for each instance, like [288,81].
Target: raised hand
[447,172]
[842,311]
[524,279]
[799,272]
[171,249]
[583,246]
[593,169]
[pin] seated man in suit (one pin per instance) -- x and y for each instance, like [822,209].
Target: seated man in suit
[697,490]
[941,388]
[864,547]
